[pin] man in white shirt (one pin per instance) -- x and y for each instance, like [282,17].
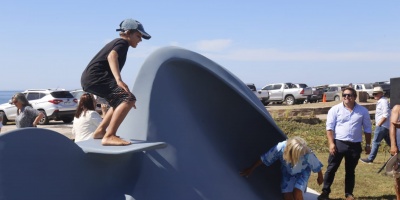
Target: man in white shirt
[382,122]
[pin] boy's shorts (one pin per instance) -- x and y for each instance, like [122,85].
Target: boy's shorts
[112,93]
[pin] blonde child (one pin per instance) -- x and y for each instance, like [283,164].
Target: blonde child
[297,161]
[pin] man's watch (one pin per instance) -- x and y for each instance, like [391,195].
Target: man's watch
[368,145]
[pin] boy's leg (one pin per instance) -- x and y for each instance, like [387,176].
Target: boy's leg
[101,130]
[110,138]
[104,108]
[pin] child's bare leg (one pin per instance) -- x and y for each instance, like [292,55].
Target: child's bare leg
[288,196]
[110,138]
[297,194]
[101,130]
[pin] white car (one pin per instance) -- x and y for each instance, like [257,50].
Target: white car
[55,105]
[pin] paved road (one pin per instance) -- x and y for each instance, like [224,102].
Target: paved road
[57,126]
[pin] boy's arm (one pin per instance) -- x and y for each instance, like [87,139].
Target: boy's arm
[114,66]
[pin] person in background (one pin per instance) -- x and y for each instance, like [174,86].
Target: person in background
[102,77]
[26,115]
[382,124]
[103,104]
[86,118]
[344,126]
[395,142]
[297,161]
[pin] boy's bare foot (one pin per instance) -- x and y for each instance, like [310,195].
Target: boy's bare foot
[99,134]
[114,141]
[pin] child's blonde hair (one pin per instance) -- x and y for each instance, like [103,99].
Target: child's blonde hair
[295,148]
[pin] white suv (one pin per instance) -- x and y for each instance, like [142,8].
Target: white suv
[55,105]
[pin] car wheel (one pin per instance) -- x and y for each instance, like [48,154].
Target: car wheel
[68,120]
[337,98]
[289,100]
[45,119]
[5,120]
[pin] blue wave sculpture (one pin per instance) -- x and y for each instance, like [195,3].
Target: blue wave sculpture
[202,124]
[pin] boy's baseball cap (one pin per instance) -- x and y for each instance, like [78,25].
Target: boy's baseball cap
[131,24]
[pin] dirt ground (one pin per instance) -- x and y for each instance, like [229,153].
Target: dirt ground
[318,110]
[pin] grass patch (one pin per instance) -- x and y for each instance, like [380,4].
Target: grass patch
[369,184]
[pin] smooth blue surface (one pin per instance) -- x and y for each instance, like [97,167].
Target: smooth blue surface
[95,146]
[214,127]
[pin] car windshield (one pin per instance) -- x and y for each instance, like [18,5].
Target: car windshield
[303,85]
[61,94]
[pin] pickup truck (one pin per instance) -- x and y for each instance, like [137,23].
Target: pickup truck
[261,94]
[287,92]
[315,95]
[365,87]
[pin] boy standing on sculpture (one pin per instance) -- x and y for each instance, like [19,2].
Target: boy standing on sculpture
[102,77]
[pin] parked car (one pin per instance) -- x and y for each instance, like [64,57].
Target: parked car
[78,93]
[316,94]
[55,105]
[263,95]
[287,92]
[334,92]
[365,87]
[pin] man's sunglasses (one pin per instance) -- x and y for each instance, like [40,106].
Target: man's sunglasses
[347,95]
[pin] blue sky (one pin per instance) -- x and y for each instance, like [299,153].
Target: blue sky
[47,44]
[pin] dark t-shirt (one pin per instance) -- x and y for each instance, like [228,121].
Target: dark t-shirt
[98,72]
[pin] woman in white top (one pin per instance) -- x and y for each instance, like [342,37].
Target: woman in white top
[86,119]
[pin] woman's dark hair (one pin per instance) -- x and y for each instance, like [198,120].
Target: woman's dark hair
[21,98]
[86,103]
